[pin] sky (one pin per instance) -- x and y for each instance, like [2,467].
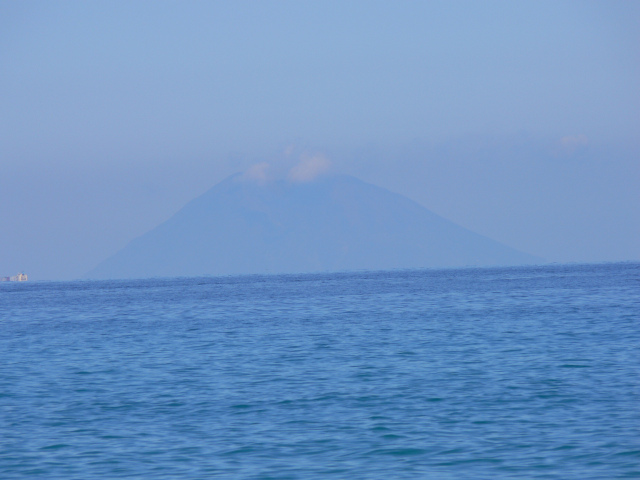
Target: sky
[518,120]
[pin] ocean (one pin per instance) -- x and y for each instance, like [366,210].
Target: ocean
[508,373]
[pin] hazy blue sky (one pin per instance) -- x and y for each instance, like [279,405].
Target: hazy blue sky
[519,120]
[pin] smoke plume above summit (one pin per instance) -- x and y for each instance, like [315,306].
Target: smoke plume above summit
[306,167]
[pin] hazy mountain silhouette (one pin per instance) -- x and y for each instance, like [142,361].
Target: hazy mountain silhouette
[245,225]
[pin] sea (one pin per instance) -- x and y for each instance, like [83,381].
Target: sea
[476,373]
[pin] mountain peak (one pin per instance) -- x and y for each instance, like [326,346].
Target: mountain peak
[309,220]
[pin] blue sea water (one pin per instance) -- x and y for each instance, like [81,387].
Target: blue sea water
[445,374]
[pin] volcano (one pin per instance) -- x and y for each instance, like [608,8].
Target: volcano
[336,222]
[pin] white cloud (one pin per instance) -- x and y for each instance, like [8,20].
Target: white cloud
[257,173]
[289,150]
[309,168]
[570,143]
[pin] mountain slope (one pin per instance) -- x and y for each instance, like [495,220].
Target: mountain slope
[332,223]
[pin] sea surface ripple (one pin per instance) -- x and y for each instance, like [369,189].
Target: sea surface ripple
[503,373]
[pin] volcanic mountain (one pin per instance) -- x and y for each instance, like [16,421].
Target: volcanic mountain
[244,225]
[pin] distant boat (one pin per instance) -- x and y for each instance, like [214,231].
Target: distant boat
[21,277]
